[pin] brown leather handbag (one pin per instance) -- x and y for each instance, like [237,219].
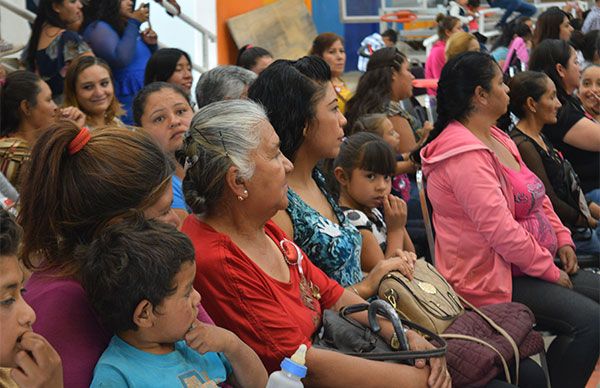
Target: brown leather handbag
[427,300]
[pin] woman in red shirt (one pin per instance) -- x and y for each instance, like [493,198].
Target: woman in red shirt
[255,281]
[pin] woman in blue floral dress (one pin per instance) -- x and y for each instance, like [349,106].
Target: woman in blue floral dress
[302,107]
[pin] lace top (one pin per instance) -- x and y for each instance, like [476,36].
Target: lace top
[334,248]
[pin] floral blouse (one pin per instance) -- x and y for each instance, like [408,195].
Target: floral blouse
[52,62]
[334,248]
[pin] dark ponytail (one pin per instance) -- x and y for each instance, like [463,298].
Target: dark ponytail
[460,76]
[18,86]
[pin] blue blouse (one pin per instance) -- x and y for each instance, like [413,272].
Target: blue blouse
[334,248]
[126,55]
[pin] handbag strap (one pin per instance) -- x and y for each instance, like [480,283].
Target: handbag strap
[401,354]
[482,342]
[500,330]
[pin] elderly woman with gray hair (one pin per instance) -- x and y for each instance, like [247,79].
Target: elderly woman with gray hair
[223,83]
[255,281]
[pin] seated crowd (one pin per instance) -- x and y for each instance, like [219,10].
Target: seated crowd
[171,238]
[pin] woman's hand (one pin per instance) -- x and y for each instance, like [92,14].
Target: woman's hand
[394,212]
[423,132]
[38,364]
[438,375]
[142,14]
[403,262]
[149,37]
[592,222]
[595,210]
[564,280]
[72,113]
[568,258]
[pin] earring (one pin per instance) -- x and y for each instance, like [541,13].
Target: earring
[240,198]
[533,110]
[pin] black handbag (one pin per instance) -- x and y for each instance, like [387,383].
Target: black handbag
[339,332]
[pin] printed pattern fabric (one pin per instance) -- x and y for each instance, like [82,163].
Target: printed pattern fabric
[334,248]
[52,62]
[374,224]
[529,192]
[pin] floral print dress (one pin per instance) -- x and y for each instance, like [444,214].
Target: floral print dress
[334,248]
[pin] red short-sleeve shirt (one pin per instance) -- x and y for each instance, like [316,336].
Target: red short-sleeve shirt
[268,315]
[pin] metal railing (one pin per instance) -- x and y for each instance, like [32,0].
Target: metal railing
[206,34]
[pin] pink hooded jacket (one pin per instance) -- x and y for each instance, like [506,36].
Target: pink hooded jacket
[477,236]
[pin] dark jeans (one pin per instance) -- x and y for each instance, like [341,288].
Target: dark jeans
[574,316]
[531,375]
[510,6]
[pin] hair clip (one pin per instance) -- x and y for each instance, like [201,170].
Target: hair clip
[79,141]
[223,144]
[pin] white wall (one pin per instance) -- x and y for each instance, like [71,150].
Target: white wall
[174,32]
[13,28]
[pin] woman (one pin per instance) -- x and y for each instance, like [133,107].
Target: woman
[459,43]
[118,173]
[387,81]
[447,26]
[309,133]
[27,109]
[170,65]
[259,284]
[253,58]
[330,47]
[496,232]
[115,37]
[574,134]
[164,111]
[533,100]
[554,23]
[54,42]
[589,92]
[89,86]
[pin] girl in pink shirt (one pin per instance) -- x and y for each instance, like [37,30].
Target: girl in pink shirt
[447,25]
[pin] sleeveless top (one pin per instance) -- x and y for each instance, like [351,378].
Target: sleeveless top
[529,192]
[334,248]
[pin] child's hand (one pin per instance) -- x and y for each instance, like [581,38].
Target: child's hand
[205,338]
[38,364]
[394,212]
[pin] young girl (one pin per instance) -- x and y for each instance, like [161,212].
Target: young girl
[363,170]
[380,124]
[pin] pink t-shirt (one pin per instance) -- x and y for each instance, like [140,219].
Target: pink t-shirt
[529,192]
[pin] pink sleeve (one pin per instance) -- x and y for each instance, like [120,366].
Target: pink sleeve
[478,190]
[563,234]
[522,51]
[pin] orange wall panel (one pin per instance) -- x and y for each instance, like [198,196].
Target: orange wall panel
[226,48]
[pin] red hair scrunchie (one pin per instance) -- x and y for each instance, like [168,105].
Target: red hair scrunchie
[79,141]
